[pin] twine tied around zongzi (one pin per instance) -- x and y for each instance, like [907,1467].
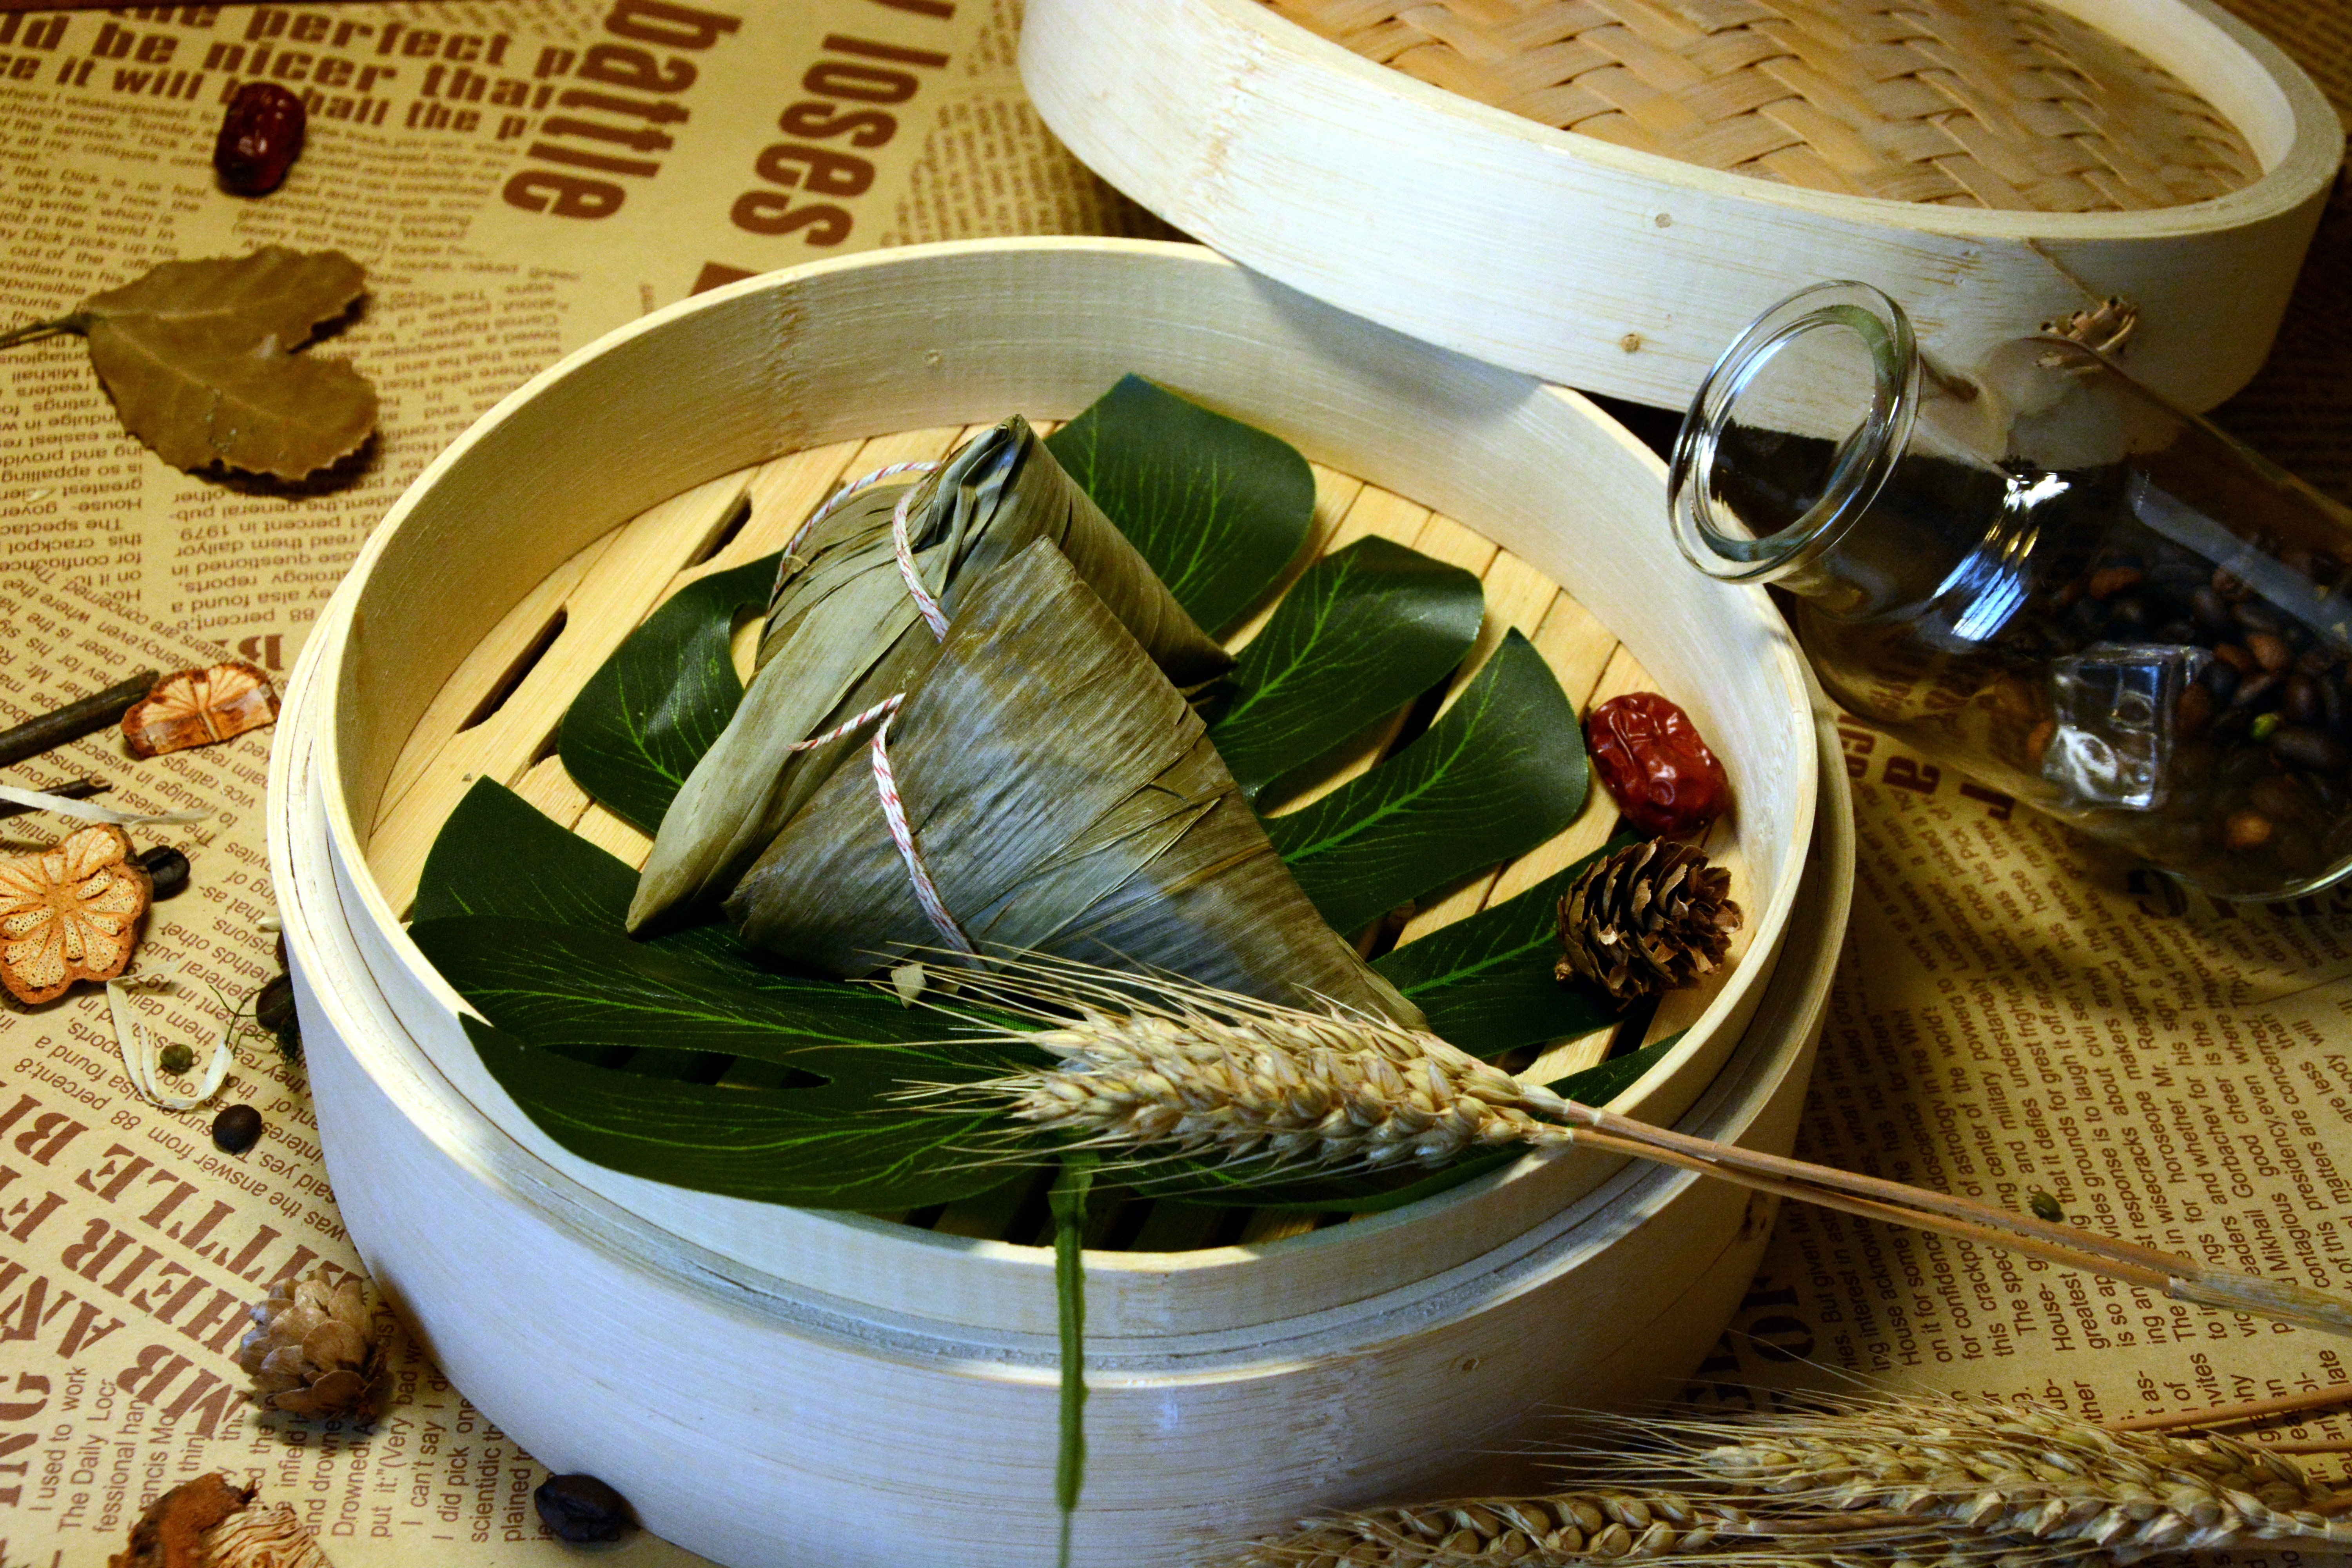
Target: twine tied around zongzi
[886,782]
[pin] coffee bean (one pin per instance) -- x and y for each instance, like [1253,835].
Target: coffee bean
[582,1508]
[2220,678]
[237,1129]
[2109,581]
[2298,746]
[2211,610]
[2257,616]
[2299,701]
[2270,651]
[2278,797]
[167,869]
[273,1004]
[2246,830]
[2237,658]
[2193,710]
[2258,695]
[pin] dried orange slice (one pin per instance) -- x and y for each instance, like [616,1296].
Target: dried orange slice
[198,707]
[69,913]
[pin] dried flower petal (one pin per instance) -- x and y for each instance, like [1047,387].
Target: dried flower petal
[69,913]
[198,707]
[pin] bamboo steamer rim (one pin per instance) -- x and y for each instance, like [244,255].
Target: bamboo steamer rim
[2294,132]
[344,706]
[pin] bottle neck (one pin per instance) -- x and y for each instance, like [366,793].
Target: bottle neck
[1793,433]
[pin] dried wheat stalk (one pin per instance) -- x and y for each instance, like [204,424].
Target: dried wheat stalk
[1926,1481]
[1159,1067]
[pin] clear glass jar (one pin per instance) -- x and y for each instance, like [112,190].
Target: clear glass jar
[2047,578]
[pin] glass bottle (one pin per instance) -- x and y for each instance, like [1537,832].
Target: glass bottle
[2045,576]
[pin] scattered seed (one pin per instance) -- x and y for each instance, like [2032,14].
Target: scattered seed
[175,1059]
[237,1129]
[2044,1207]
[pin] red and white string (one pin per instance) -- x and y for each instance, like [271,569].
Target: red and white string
[886,783]
[841,497]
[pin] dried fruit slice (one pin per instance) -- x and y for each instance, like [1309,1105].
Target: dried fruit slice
[198,707]
[69,913]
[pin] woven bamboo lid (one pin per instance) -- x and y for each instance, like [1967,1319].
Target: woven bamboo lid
[1605,193]
[1985,103]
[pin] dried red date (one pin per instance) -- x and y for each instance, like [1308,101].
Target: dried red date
[260,137]
[1651,759]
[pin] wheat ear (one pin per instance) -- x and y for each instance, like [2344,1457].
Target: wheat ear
[1930,1482]
[1157,1066]
[2025,1471]
[1661,1528]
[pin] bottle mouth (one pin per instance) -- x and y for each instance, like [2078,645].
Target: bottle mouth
[1794,431]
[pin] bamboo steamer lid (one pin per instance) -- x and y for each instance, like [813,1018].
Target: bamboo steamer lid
[1604,192]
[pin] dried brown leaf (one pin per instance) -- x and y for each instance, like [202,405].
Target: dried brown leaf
[199,358]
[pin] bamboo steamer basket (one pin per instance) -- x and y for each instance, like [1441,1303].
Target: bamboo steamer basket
[774,1386]
[1604,192]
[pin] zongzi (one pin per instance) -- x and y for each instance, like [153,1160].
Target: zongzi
[1063,797]
[842,632]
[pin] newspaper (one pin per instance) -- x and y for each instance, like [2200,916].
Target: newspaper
[517,179]
[132,1246]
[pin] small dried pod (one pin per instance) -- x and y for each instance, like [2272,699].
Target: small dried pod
[263,1537]
[70,912]
[172,1532]
[316,1349]
[197,707]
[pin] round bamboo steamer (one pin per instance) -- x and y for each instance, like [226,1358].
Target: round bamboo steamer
[757,1420]
[1587,259]
[852,1365]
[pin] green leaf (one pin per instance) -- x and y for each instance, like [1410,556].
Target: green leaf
[562,988]
[1364,632]
[499,855]
[646,717]
[1500,772]
[823,1147]
[1217,507]
[1232,1187]
[1486,983]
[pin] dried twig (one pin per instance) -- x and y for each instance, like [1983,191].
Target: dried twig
[48,731]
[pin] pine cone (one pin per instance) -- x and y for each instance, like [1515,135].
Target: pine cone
[1652,916]
[316,1351]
